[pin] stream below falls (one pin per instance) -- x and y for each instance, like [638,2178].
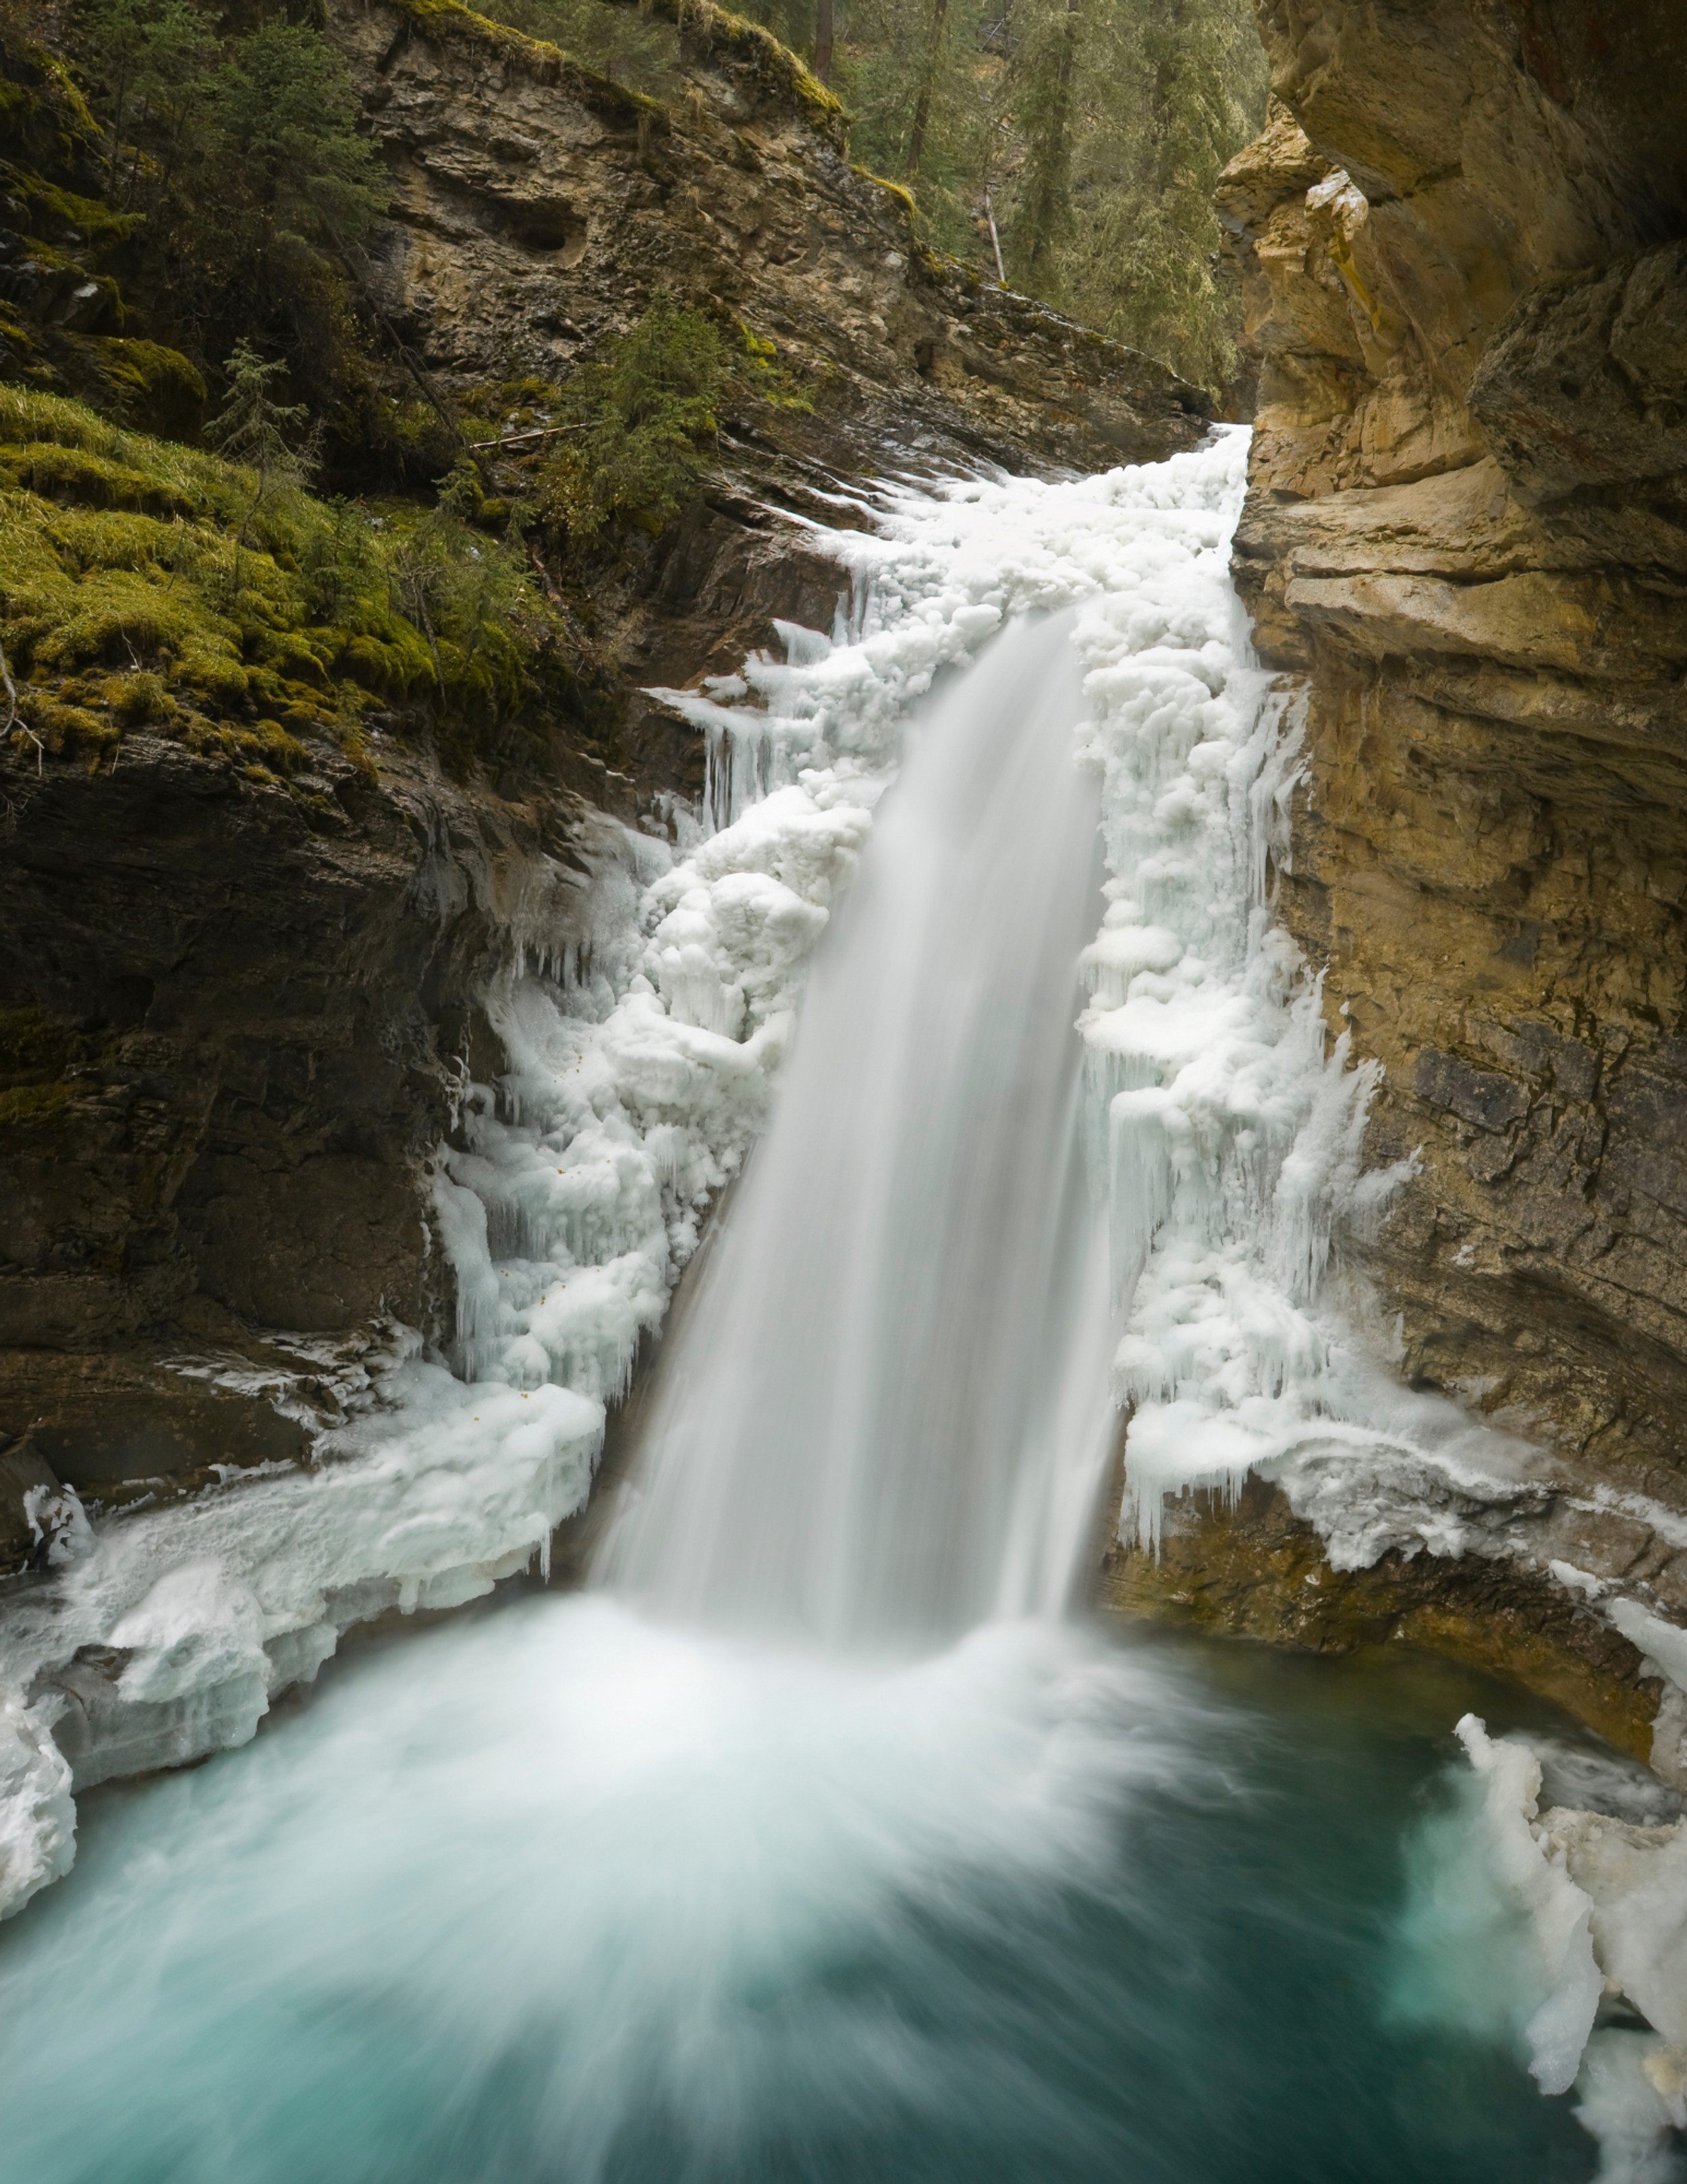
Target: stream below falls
[559,1896]
[821,1839]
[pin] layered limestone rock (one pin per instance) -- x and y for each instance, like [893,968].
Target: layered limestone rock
[1461,243]
[538,208]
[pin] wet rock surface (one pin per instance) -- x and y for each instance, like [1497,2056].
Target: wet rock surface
[232,1024]
[1251,1568]
[1460,239]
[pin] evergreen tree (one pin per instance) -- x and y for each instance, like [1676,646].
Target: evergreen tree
[922,83]
[1140,258]
[931,71]
[1080,138]
[253,428]
[1070,145]
[269,437]
[244,155]
[1045,69]
[288,125]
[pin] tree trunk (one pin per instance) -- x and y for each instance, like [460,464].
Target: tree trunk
[1052,159]
[823,39]
[928,79]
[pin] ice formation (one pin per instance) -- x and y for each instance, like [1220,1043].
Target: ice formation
[1592,1970]
[639,1069]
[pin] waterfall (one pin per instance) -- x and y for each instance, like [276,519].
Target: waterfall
[641,1068]
[887,1411]
[814,1840]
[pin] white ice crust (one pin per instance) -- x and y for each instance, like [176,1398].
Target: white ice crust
[1605,1901]
[639,1069]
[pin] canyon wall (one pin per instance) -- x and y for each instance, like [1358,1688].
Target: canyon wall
[236,1016]
[1462,239]
[538,210]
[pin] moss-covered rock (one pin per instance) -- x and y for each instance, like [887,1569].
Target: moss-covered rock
[144,582]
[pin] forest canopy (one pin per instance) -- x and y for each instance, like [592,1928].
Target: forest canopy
[1069,147]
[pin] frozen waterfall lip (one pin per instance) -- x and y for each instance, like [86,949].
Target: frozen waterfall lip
[701,711]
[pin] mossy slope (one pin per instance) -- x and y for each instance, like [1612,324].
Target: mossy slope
[143,582]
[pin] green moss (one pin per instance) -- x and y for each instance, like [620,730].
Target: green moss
[782,73]
[139,698]
[448,22]
[78,475]
[41,105]
[158,383]
[34,1045]
[64,95]
[68,731]
[46,203]
[33,1106]
[126,602]
[904,197]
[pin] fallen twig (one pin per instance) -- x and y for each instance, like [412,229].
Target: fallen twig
[15,724]
[547,581]
[539,432]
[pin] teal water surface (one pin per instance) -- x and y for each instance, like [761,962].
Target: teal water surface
[551,1896]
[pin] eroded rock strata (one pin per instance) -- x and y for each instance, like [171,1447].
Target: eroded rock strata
[1463,241]
[539,206]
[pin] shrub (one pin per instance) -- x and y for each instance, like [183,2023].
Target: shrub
[237,163]
[638,425]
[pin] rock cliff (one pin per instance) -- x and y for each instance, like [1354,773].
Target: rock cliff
[538,208]
[1463,243]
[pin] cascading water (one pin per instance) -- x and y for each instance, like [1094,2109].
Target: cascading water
[820,1848]
[861,1432]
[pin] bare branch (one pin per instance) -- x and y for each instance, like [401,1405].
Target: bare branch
[539,432]
[16,724]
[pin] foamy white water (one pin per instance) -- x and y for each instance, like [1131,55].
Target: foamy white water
[639,1073]
[558,1894]
[887,1414]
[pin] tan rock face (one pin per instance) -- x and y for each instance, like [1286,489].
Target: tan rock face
[1587,384]
[1249,1569]
[1460,238]
[538,207]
